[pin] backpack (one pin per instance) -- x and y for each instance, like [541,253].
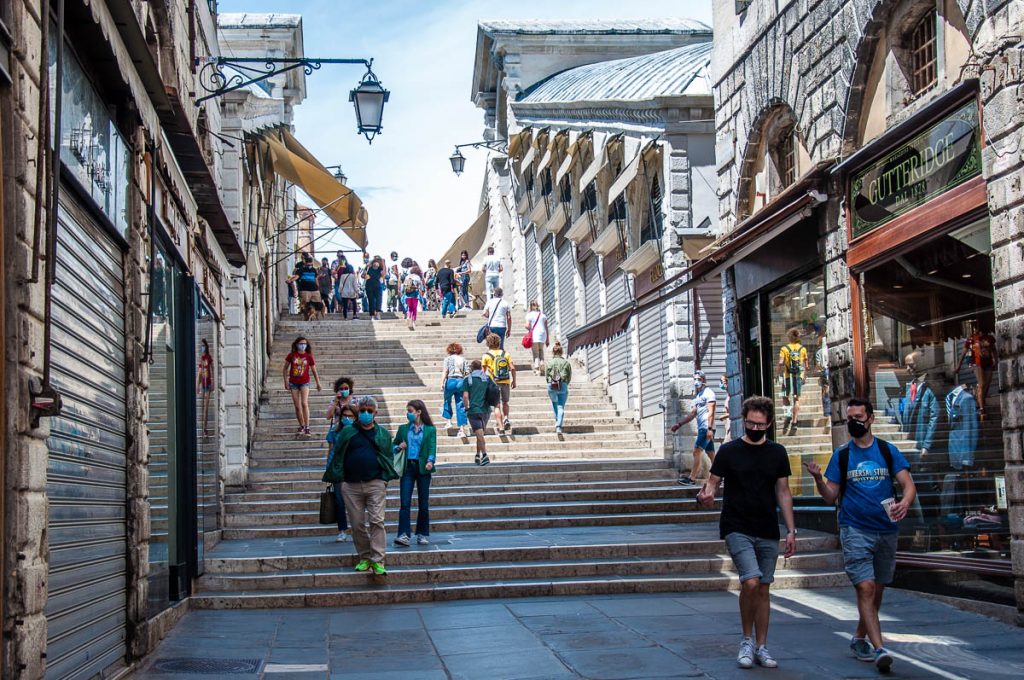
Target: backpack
[502,366]
[493,395]
[844,463]
[794,364]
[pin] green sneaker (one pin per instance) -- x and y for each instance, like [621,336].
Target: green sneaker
[378,569]
[363,565]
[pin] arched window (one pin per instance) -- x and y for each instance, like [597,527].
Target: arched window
[777,158]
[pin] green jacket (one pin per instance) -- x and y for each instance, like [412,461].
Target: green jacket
[428,449]
[382,440]
[561,366]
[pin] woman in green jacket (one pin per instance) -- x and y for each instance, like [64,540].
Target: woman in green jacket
[364,464]
[417,439]
[558,373]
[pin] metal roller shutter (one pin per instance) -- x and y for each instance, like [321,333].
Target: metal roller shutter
[620,364]
[86,467]
[652,361]
[711,338]
[566,289]
[547,272]
[530,265]
[592,299]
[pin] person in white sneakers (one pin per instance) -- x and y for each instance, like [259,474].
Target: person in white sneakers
[861,476]
[492,271]
[704,404]
[756,472]
[537,329]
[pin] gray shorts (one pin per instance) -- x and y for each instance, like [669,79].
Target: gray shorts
[754,557]
[868,556]
[506,391]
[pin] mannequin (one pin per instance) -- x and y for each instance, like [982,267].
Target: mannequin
[962,414]
[920,411]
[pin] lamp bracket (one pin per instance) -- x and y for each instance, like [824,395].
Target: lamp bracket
[500,146]
[256,69]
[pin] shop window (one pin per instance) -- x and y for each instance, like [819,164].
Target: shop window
[931,362]
[652,227]
[799,367]
[923,55]
[207,389]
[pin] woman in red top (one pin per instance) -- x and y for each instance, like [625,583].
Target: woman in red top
[298,366]
[204,382]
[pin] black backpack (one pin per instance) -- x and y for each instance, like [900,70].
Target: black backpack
[493,396]
[844,463]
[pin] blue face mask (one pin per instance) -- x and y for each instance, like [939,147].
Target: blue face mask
[346,421]
[301,347]
[365,418]
[411,417]
[344,393]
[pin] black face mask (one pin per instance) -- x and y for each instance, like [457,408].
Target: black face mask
[856,428]
[755,435]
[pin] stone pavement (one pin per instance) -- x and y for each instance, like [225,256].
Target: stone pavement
[606,637]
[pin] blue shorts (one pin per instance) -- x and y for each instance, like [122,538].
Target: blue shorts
[868,556]
[753,557]
[705,441]
[792,384]
[297,386]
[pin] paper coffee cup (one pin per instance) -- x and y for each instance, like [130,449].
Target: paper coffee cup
[889,504]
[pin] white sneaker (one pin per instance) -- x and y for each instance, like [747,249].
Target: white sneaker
[745,659]
[422,540]
[462,433]
[764,658]
[448,425]
[403,539]
[342,537]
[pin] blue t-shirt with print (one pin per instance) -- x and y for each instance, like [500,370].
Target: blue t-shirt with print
[867,485]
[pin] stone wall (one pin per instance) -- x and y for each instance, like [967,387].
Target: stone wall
[817,56]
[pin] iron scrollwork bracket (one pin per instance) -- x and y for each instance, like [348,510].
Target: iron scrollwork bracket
[250,70]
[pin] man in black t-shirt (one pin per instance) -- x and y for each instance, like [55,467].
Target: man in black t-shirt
[757,474]
[305,275]
[446,284]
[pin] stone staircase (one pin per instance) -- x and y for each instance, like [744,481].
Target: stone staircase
[595,511]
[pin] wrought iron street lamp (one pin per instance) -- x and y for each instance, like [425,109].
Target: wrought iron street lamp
[458,161]
[368,97]
[338,174]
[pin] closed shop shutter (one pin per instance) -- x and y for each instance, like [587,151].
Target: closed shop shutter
[531,265]
[547,272]
[620,364]
[653,374]
[711,340]
[566,288]
[592,299]
[86,467]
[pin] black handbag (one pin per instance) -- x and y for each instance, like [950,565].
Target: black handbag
[328,507]
[485,330]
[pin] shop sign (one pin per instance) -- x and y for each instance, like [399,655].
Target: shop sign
[648,279]
[941,157]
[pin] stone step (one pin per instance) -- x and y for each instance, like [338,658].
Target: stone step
[489,510]
[269,451]
[377,591]
[522,426]
[464,496]
[501,523]
[513,571]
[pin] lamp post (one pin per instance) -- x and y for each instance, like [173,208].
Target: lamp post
[458,161]
[368,97]
[338,174]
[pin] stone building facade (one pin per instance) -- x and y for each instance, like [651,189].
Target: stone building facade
[605,194]
[117,252]
[879,143]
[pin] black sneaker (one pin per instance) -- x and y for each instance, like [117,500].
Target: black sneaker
[685,480]
[484,460]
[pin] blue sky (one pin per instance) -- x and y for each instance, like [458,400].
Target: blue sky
[423,53]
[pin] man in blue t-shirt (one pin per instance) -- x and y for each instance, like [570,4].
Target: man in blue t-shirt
[867,531]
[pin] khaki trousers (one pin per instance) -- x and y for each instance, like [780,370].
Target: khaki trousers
[368,497]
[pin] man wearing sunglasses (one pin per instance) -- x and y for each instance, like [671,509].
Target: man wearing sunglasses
[364,464]
[756,472]
[860,476]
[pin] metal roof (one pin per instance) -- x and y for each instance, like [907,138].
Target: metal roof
[680,71]
[600,27]
[258,20]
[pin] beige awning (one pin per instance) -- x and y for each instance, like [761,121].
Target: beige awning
[528,158]
[338,202]
[552,148]
[600,160]
[516,141]
[627,176]
[471,240]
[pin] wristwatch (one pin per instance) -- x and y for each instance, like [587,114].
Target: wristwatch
[791,531]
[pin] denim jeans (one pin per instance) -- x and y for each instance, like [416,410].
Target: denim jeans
[342,518]
[492,282]
[558,402]
[452,390]
[464,288]
[410,477]
[448,303]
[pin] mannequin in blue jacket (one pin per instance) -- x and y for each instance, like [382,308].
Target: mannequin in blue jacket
[920,416]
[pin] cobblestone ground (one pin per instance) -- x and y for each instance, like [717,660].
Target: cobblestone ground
[628,636]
